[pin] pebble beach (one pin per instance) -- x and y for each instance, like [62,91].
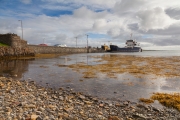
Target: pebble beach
[23,100]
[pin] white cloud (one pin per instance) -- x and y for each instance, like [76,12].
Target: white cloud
[114,32]
[154,19]
[98,24]
[125,6]
[83,12]
[157,19]
[164,4]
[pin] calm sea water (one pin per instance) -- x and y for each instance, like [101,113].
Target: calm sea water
[158,53]
[45,72]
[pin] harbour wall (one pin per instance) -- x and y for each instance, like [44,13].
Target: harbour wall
[57,50]
[19,48]
[8,52]
[32,50]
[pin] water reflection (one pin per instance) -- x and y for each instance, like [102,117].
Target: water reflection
[87,59]
[14,68]
[65,60]
[52,73]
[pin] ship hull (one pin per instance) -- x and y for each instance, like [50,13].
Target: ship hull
[114,48]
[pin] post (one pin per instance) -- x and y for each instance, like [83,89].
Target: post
[131,37]
[87,45]
[21,28]
[43,41]
[76,42]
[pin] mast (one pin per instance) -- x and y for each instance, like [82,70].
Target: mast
[131,36]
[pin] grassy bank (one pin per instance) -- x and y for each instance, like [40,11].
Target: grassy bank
[3,44]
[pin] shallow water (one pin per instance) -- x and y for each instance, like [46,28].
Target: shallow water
[55,73]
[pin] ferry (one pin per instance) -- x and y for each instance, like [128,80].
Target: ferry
[131,46]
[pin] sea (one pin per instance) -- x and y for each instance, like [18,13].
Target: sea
[46,72]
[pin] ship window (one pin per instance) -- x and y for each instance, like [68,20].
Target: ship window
[129,40]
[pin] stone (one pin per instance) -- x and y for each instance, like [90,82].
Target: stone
[53,107]
[38,112]
[101,105]
[65,115]
[82,97]
[12,91]
[30,106]
[114,118]
[41,109]
[68,109]
[34,117]
[42,104]
[118,105]
[19,83]
[139,116]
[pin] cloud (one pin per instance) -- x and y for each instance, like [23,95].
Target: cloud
[26,1]
[152,22]
[173,13]
[154,19]
[170,31]
[125,6]
[57,7]
[100,23]
[93,4]
[83,12]
[114,32]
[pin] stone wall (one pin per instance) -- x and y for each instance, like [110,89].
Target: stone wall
[12,40]
[53,50]
[6,52]
[31,50]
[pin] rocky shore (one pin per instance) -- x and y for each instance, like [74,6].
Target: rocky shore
[23,100]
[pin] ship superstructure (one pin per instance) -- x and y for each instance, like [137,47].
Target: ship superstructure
[131,46]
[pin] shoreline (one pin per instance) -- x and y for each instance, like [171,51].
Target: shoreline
[21,100]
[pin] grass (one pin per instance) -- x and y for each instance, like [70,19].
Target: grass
[3,44]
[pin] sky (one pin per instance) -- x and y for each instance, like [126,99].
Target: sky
[155,24]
